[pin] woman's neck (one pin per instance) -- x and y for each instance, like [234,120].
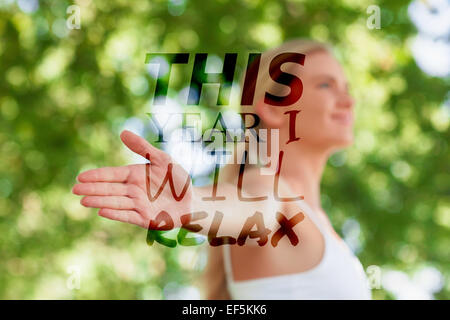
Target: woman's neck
[302,168]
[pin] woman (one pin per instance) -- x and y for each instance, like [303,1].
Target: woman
[320,265]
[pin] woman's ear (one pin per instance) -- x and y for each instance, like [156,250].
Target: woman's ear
[270,115]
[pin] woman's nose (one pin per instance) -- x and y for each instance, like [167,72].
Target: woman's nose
[346,100]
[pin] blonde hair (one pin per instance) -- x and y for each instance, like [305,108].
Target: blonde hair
[214,280]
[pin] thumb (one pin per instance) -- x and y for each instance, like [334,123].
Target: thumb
[142,147]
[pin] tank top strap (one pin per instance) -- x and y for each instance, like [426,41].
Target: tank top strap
[227,262]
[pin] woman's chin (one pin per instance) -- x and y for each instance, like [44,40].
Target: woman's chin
[343,142]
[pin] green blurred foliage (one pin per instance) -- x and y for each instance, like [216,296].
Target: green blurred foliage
[65,94]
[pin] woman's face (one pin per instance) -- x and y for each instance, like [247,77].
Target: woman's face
[325,120]
[326,116]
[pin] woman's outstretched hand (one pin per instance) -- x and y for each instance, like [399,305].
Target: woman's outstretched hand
[121,193]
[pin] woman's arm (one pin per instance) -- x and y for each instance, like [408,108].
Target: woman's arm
[122,194]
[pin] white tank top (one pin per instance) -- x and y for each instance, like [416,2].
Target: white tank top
[338,276]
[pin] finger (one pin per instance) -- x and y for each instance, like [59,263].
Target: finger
[111,202]
[128,216]
[107,174]
[107,189]
[142,147]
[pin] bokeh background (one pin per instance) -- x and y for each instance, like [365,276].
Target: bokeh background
[66,94]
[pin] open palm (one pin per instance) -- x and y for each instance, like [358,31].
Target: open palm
[122,193]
